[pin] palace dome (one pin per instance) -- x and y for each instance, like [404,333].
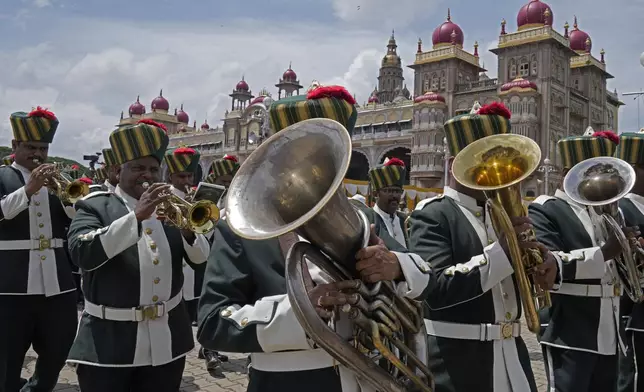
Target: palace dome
[443,34]
[182,116]
[136,108]
[429,97]
[579,38]
[535,13]
[242,85]
[160,103]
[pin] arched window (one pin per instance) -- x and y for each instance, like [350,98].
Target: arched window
[533,65]
[524,68]
[512,71]
[434,86]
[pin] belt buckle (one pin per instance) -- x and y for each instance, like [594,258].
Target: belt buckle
[506,330]
[617,290]
[44,243]
[150,312]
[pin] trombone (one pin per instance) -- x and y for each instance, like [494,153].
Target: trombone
[62,186]
[199,217]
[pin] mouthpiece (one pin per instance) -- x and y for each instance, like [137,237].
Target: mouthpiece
[36,161]
[145,185]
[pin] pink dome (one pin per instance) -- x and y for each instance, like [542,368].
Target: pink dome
[578,39]
[259,99]
[443,33]
[429,97]
[205,125]
[182,116]
[373,98]
[160,103]
[136,108]
[535,13]
[289,75]
[242,85]
[519,85]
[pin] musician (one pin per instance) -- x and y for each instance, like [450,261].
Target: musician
[8,160]
[112,170]
[359,198]
[244,306]
[100,175]
[387,182]
[581,339]
[37,293]
[135,330]
[631,150]
[223,170]
[474,310]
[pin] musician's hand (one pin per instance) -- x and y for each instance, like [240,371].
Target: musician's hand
[612,248]
[325,297]
[545,274]
[376,263]
[155,194]
[189,236]
[37,179]
[521,224]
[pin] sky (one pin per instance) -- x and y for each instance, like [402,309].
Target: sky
[87,60]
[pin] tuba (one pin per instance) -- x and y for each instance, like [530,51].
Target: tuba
[600,183]
[62,186]
[497,165]
[199,217]
[293,181]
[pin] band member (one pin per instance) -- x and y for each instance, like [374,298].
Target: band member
[631,150]
[474,309]
[37,293]
[112,170]
[582,338]
[223,170]
[244,306]
[387,182]
[100,174]
[135,330]
[359,198]
[8,160]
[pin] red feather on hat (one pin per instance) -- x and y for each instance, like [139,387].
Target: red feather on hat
[184,150]
[42,112]
[495,109]
[331,92]
[12,156]
[75,167]
[395,162]
[86,180]
[153,123]
[230,158]
[610,135]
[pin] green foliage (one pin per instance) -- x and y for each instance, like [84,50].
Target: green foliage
[4,151]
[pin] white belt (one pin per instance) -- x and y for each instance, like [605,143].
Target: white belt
[40,244]
[138,314]
[482,332]
[291,360]
[590,290]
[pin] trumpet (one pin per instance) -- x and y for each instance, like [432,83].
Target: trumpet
[62,186]
[199,217]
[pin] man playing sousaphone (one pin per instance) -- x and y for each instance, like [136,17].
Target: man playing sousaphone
[583,336]
[244,306]
[474,309]
[37,292]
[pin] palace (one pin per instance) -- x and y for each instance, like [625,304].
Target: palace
[550,80]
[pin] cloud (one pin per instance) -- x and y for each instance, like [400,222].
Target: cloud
[42,3]
[380,12]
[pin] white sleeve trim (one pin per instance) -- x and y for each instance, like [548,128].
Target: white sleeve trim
[14,203]
[590,262]
[70,211]
[199,251]
[118,236]
[494,267]
[416,272]
[556,287]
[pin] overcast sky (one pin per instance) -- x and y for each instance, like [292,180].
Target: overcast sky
[87,60]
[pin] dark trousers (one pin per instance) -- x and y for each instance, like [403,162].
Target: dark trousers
[318,380]
[46,323]
[191,306]
[631,368]
[579,371]
[164,378]
[79,291]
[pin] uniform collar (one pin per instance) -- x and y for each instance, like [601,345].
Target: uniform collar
[21,168]
[381,212]
[559,194]
[464,200]
[636,198]
[109,186]
[130,202]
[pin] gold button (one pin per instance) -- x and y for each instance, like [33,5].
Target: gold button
[42,236]
[148,231]
[37,203]
[244,322]
[41,225]
[449,272]
[508,316]
[43,257]
[564,259]
[155,298]
[39,214]
[153,245]
[226,313]
[465,269]
[483,262]
[155,261]
[156,280]
[478,214]
[36,194]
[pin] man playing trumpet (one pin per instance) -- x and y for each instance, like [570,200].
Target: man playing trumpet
[135,331]
[37,293]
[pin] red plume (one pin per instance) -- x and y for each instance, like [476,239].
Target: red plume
[495,109]
[331,92]
[86,180]
[41,112]
[610,135]
[184,150]
[75,167]
[153,123]
[230,158]
[12,156]
[395,162]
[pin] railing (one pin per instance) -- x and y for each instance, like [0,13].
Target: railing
[535,34]
[477,85]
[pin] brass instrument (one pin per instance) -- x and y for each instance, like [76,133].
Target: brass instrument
[497,165]
[62,186]
[199,217]
[292,182]
[600,183]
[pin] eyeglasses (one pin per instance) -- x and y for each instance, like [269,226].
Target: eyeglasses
[392,191]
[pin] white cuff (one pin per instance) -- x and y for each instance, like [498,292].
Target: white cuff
[590,263]
[494,267]
[556,286]
[199,251]
[14,203]
[416,272]
[70,211]
[118,236]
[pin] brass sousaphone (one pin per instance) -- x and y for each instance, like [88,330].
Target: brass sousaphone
[497,165]
[293,181]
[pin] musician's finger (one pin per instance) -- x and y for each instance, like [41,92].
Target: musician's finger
[373,278]
[520,220]
[324,314]
[529,245]
[367,252]
[522,227]
[346,285]
[365,264]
